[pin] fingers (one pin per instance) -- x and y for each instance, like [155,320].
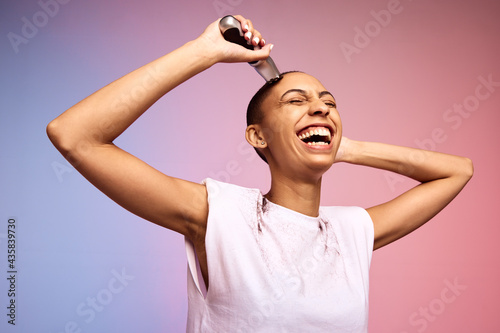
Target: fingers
[250,33]
[229,52]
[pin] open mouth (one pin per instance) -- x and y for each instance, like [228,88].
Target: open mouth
[315,135]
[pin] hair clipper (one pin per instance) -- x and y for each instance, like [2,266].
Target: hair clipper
[230,28]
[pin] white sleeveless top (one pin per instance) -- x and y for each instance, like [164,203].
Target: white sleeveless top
[272,269]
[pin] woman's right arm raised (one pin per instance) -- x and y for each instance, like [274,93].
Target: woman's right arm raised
[84,134]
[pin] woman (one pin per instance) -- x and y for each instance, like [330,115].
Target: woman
[274,262]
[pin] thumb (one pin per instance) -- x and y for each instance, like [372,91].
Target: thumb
[264,52]
[254,55]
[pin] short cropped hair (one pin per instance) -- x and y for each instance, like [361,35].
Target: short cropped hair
[255,114]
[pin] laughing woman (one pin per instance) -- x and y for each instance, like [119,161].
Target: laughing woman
[274,262]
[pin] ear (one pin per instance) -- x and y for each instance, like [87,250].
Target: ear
[255,137]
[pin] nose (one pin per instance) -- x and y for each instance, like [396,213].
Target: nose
[319,108]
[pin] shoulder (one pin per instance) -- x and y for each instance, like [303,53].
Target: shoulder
[345,212]
[352,225]
[217,190]
[348,217]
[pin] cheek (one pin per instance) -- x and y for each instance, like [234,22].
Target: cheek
[278,137]
[272,128]
[335,116]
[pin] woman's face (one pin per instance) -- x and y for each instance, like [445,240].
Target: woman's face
[301,126]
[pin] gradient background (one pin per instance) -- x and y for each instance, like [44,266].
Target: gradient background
[397,89]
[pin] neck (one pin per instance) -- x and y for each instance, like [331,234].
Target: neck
[300,196]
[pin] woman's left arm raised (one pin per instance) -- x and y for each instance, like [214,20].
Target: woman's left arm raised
[441,177]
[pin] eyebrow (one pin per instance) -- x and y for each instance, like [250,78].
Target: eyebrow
[303,92]
[323,93]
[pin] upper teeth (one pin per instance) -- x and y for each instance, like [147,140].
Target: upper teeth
[321,131]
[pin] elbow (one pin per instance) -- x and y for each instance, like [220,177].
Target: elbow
[467,168]
[470,167]
[51,131]
[57,136]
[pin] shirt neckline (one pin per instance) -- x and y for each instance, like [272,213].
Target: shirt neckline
[289,211]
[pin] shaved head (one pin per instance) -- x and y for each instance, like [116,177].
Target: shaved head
[255,114]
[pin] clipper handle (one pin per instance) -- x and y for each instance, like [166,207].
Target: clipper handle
[230,29]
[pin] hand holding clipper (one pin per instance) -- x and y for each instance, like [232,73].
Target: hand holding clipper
[230,28]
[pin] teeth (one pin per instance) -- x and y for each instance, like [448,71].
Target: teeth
[317,143]
[321,131]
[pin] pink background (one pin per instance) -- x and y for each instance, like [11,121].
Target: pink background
[400,87]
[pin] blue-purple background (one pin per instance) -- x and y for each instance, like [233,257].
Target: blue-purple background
[399,86]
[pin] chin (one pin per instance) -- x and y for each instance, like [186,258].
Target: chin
[320,164]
